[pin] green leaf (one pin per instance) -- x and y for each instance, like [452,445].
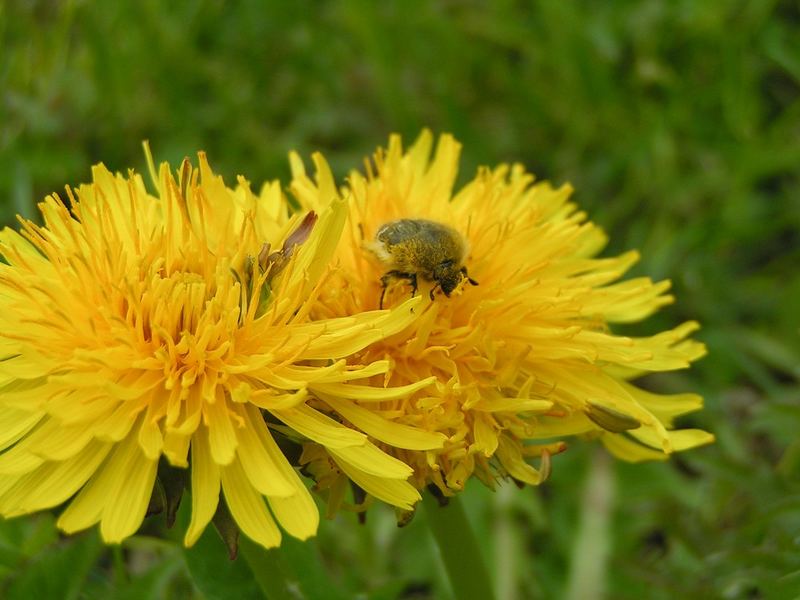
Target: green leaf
[57,571]
[155,583]
[215,575]
[299,565]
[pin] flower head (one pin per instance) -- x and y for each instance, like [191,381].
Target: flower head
[138,328]
[522,360]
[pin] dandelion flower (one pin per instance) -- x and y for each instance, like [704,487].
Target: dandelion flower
[524,359]
[138,328]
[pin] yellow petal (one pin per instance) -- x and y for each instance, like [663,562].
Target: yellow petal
[257,462]
[221,433]
[626,449]
[270,401]
[373,461]
[511,458]
[679,440]
[369,393]
[119,423]
[22,367]
[336,372]
[24,394]
[12,243]
[176,448]
[326,234]
[394,434]
[53,440]
[87,507]
[665,406]
[130,492]
[486,438]
[53,482]
[15,423]
[320,428]
[394,491]
[18,459]
[296,165]
[247,507]
[516,405]
[573,424]
[205,486]
[297,514]
[349,341]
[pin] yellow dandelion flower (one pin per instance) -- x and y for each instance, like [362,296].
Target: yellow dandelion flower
[138,328]
[523,355]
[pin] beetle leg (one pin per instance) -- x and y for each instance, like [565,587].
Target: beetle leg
[387,278]
[413,279]
[468,278]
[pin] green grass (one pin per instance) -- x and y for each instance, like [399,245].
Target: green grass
[678,124]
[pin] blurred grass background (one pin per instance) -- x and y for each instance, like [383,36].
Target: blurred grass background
[678,123]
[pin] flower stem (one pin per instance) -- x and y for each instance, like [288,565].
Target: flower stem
[120,568]
[459,549]
[592,547]
[506,554]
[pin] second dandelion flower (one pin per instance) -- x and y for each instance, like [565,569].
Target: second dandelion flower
[520,363]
